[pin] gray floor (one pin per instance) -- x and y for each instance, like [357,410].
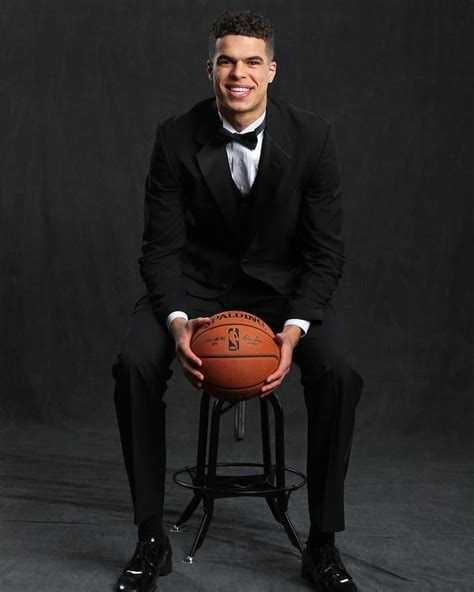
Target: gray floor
[66,518]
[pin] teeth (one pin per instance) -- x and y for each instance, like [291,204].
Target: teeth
[239,89]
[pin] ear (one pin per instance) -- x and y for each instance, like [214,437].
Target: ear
[210,69]
[272,68]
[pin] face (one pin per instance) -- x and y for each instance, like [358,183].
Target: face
[241,71]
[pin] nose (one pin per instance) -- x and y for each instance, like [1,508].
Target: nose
[238,70]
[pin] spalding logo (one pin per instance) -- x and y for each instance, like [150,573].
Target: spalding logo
[237,315]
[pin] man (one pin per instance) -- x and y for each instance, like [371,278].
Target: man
[242,211]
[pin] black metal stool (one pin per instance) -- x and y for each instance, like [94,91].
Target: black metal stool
[208,485]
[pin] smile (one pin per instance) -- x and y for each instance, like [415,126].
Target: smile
[239,92]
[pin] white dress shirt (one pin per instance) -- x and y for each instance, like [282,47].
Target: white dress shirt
[243,164]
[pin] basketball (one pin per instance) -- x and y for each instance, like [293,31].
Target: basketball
[238,353]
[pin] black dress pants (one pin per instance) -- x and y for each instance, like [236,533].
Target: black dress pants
[332,390]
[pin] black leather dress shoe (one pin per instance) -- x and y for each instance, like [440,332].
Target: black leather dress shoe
[323,567]
[150,560]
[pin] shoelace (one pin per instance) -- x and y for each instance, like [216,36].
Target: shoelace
[147,550]
[329,557]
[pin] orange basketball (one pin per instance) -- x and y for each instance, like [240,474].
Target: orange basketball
[238,353]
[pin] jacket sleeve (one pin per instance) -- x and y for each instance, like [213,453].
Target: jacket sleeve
[164,233]
[320,239]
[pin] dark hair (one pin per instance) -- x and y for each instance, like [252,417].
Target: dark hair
[245,23]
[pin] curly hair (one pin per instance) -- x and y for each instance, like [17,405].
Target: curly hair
[245,23]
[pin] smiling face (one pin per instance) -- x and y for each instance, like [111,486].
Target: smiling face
[241,71]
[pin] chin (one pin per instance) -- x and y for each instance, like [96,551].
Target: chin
[237,106]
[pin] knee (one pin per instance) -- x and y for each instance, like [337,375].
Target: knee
[333,366]
[346,383]
[135,359]
[322,364]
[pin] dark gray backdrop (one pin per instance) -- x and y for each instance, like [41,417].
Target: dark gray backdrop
[84,84]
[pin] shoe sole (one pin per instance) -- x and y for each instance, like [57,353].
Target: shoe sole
[307,576]
[163,570]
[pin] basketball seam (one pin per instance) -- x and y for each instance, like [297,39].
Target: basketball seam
[235,388]
[239,356]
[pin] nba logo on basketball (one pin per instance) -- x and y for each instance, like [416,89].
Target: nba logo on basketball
[233,336]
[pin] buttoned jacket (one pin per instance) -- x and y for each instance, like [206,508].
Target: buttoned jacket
[195,241]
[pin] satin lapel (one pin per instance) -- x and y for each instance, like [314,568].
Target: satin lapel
[214,167]
[274,166]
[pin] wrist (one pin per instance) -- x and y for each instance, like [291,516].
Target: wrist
[294,333]
[176,325]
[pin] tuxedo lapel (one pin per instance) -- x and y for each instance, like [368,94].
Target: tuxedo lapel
[214,166]
[274,166]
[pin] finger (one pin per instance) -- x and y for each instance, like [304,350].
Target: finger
[185,352]
[279,373]
[268,388]
[275,376]
[196,383]
[273,384]
[190,371]
[280,338]
[189,367]
[199,322]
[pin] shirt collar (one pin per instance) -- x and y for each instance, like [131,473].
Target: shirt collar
[249,128]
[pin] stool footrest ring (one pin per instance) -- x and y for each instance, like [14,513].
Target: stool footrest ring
[257,484]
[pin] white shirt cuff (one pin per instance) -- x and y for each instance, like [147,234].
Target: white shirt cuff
[303,325]
[174,315]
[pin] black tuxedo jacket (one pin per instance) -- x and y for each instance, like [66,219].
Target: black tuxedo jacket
[193,241]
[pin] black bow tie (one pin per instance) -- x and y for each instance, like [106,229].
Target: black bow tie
[249,140]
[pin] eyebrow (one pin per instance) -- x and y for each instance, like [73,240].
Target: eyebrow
[231,59]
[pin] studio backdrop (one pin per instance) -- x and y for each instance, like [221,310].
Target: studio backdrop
[84,85]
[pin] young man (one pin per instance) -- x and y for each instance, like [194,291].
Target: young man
[242,211]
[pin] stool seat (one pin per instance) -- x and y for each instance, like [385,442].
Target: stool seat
[266,480]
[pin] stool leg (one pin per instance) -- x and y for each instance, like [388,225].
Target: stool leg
[200,464]
[239,421]
[266,441]
[202,440]
[267,453]
[282,499]
[214,442]
[188,512]
[279,440]
[290,531]
[203,527]
[210,478]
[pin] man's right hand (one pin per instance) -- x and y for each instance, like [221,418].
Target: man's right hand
[182,332]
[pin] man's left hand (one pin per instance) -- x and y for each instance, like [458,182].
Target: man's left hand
[287,341]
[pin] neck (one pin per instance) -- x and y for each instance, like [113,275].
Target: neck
[239,121]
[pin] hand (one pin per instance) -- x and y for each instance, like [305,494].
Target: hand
[287,341]
[183,331]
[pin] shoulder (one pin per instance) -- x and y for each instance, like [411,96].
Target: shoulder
[301,122]
[184,124]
